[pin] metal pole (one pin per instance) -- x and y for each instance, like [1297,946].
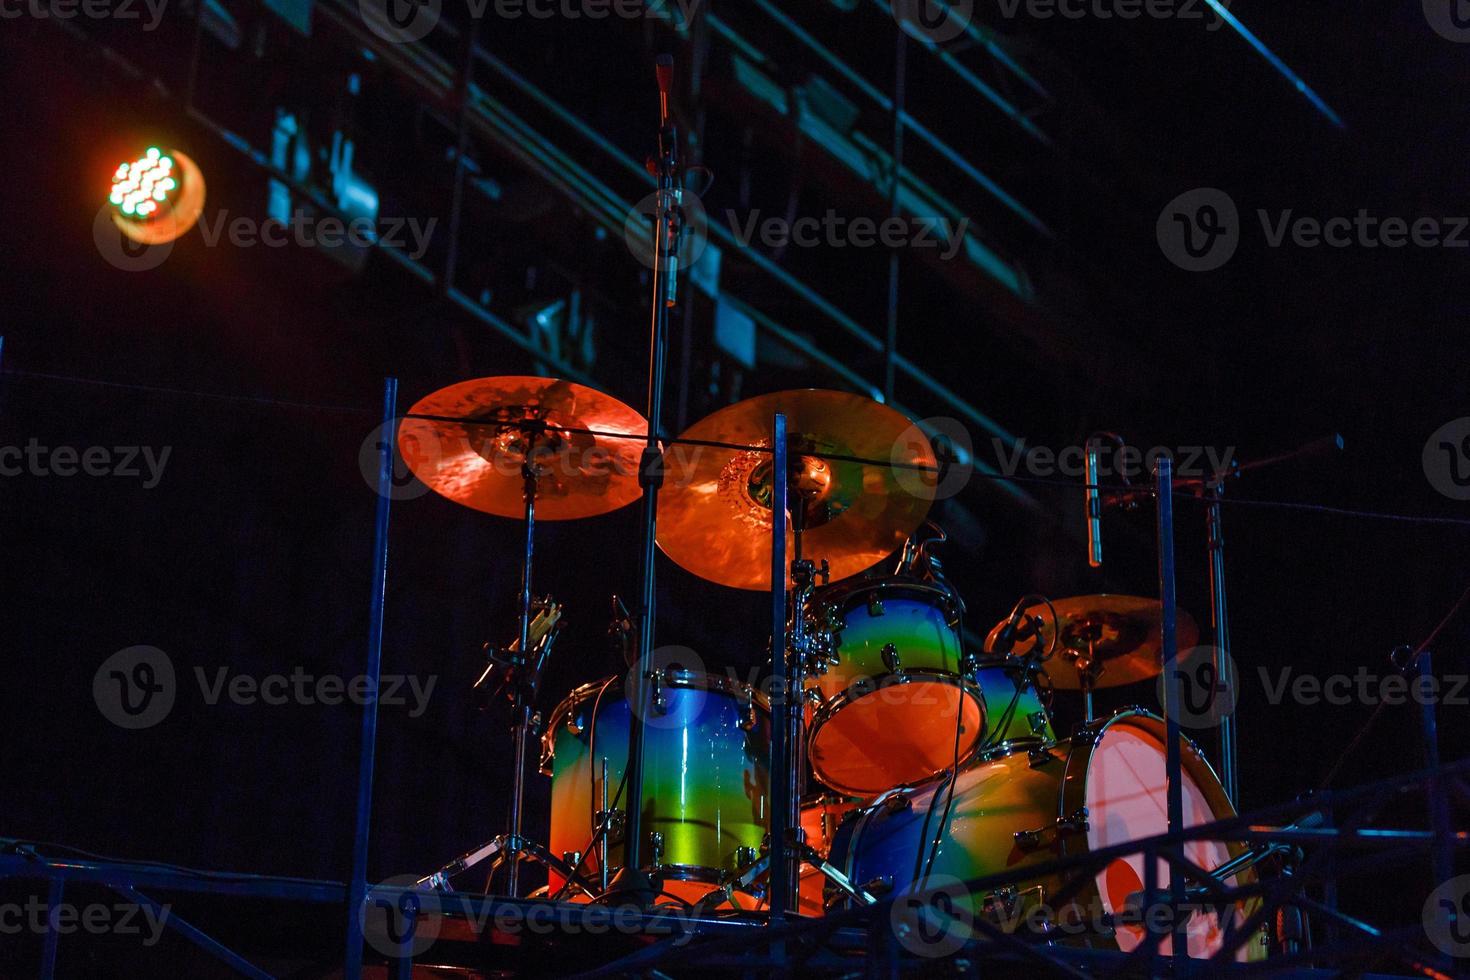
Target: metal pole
[1220,622]
[523,702]
[1441,855]
[53,935]
[781,879]
[666,242]
[1164,487]
[900,82]
[357,885]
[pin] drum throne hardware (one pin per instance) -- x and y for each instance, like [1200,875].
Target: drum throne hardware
[483,443]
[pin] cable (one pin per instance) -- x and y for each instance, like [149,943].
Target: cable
[1383,702]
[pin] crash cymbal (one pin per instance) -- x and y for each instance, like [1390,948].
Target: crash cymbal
[578,473]
[714,513]
[1119,635]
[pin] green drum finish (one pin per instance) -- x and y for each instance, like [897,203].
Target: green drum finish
[706,772]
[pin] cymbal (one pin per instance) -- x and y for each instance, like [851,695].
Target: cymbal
[714,514]
[482,465]
[1120,635]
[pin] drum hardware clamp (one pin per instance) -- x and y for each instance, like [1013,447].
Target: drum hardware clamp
[1067,826]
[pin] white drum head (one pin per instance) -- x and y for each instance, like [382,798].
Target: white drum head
[1126,801]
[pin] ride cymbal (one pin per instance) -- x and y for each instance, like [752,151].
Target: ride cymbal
[1118,637]
[472,442]
[714,513]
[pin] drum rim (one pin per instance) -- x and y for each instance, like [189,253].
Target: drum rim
[613,684]
[837,595]
[830,708]
[1073,796]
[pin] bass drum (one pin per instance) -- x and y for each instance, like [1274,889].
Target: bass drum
[1108,785]
[706,778]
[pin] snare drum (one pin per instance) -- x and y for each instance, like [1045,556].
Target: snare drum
[1107,786]
[706,776]
[891,688]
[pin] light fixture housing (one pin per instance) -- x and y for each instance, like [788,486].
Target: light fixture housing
[157,197]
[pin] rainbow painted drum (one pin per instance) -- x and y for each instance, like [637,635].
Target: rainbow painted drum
[1104,787]
[705,783]
[1016,717]
[891,691]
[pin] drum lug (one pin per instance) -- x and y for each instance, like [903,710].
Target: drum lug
[745,856]
[897,803]
[656,694]
[1061,827]
[1040,756]
[891,659]
[748,716]
[656,844]
[875,606]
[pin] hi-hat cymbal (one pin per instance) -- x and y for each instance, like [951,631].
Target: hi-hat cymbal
[1118,637]
[714,513]
[526,419]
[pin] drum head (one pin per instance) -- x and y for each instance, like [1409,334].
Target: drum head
[1127,799]
[898,734]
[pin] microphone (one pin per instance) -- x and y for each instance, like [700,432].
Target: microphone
[665,168]
[1094,507]
[1005,640]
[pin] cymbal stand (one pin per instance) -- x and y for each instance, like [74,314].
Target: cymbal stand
[520,669]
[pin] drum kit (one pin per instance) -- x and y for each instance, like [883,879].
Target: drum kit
[914,751]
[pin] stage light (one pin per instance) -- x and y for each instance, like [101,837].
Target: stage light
[157,197]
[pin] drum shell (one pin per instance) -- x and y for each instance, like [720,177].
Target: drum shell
[891,688]
[706,772]
[1019,793]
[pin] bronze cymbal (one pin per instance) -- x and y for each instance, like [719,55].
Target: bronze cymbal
[578,474]
[1119,635]
[714,513]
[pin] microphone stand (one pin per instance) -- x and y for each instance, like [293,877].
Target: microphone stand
[631,879]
